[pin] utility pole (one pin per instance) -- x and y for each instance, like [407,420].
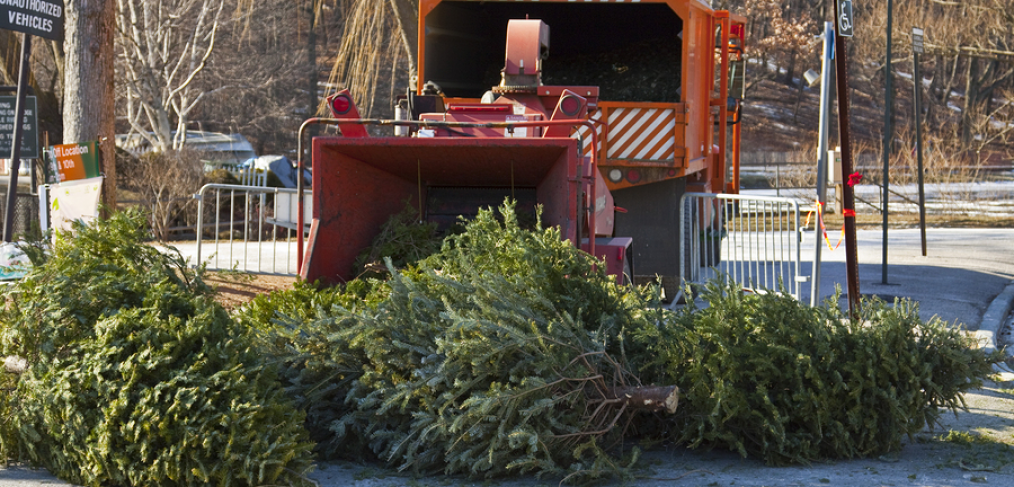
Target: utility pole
[888,136]
[917,49]
[843,30]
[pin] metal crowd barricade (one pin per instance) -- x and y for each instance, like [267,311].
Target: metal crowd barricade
[253,227]
[252,177]
[752,240]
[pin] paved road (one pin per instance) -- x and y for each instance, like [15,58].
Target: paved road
[269,257]
[964,269]
[964,272]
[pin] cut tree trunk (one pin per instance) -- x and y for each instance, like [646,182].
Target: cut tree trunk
[653,398]
[15,365]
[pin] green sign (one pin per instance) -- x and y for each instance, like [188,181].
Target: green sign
[30,133]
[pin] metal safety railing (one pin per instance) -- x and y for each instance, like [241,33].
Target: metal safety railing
[252,177]
[751,240]
[252,228]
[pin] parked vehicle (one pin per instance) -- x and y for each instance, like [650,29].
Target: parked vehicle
[220,150]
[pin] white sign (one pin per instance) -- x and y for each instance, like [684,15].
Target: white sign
[74,200]
[917,38]
[846,23]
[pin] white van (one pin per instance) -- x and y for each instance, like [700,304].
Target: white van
[223,150]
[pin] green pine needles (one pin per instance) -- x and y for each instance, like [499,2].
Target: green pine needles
[496,355]
[493,357]
[136,376]
[769,377]
[506,352]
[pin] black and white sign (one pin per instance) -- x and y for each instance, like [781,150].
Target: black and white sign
[917,38]
[43,18]
[846,23]
[30,127]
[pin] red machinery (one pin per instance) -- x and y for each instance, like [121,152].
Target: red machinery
[557,146]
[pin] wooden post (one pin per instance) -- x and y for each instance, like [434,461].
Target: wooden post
[848,195]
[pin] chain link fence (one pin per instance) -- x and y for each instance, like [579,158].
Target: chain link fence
[26,213]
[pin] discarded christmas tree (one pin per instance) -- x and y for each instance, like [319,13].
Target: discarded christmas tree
[502,353]
[133,375]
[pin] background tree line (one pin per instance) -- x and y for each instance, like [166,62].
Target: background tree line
[967,67]
[261,67]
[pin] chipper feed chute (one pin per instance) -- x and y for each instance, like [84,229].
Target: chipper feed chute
[359,183]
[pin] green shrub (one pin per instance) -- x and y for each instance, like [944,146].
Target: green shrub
[89,275]
[770,377]
[136,376]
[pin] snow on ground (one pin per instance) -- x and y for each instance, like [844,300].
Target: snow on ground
[992,198]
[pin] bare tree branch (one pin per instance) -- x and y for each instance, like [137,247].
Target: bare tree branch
[163,47]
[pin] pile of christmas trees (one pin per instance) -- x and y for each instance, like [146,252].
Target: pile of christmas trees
[510,351]
[507,351]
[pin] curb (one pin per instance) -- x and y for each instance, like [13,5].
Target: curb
[990,326]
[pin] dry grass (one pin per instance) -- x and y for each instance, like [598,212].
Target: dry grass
[869,221]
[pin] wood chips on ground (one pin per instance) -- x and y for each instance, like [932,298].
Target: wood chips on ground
[234,290]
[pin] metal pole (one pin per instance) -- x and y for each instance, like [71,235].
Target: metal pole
[19,115]
[918,149]
[888,136]
[848,196]
[825,109]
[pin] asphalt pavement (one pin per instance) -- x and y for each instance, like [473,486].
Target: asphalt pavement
[966,278]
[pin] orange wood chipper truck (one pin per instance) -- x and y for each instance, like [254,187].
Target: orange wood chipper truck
[608,156]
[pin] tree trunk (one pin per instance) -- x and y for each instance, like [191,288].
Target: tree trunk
[653,398]
[971,95]
[407,15]
[88,112]
[15,365]
[311,51]
[790,71]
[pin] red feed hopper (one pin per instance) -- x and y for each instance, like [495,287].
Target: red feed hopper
[361,182]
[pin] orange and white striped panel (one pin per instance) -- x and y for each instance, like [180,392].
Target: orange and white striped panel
[583,133]
[642,134]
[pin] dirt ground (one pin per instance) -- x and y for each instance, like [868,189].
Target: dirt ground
[235,289]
